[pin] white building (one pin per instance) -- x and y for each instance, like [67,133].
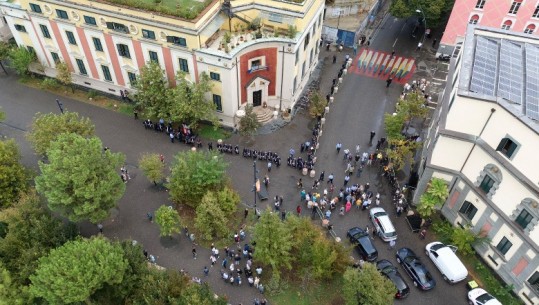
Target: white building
[484,141]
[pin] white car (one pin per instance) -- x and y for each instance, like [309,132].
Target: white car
[445,259]
[382,224]
[479,296]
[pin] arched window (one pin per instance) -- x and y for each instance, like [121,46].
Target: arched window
[529,29]
[507,25]
[489,180]
[474,19]
[526,215]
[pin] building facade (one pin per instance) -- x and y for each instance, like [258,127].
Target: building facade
[105,44]
[521,16]
[483,140]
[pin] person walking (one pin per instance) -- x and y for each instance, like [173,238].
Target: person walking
[338,147]
[206,271]
[346,180]
[372,136]
[321,178]
[245,213]
[194,251]
[100,228]
[298,209]
[389,80]
[392,244]
[330,178]
[419,45]
[269,166]
[434,42]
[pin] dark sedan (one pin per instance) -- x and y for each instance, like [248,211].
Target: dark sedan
[386,268]
[363,243]
[415,269]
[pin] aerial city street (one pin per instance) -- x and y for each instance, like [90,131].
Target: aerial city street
[368,152]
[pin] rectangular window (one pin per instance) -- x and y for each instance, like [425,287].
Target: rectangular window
[524,219]
[534,281]
[35,8]
[148,34]
[62,14]
[20,28]
[255,64]
[215,76]
[184,66]
[480,4]
[106,73]
[303,69]
[486,184]
[536,12]
[118,27]
[132,78]
[515,6]
[71,38]
[468,209]
[504,245]
[507,147]
[311,56]
[297,57]
[45,31]
[123,50]
[82,68]
[217,103]
[55,57]
[153,56]
[30,49]
[306,43]
[177,41]
[295,84]
[90,20]
[97,44]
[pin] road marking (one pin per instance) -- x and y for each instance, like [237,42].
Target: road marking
[430,107]
[440,79]
[436,83]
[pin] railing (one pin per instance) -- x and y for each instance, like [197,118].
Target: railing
[258,68]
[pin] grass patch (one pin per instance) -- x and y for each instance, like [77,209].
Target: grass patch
[187,9]
[327,292]
[210,133]
[90,97]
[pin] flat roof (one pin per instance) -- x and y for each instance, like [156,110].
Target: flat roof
[502,66]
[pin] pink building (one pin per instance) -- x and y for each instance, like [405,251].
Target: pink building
[513,15]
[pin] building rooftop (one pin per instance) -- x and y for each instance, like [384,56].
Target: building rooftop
[187,9]
[502,66]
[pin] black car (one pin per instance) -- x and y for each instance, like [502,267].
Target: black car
[386,268]
[415,269]
[363,243]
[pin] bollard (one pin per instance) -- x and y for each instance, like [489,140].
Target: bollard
[331,99]
[345,71]
[323,120]
[275,114]
[336,89]
[312,173]
[340,80]
[326,110]
[304,171]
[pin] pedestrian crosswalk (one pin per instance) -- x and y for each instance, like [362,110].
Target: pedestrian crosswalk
[382,65]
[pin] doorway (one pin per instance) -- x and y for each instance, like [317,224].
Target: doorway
[257,98]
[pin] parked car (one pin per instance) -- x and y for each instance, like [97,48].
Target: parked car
[382,224]
[363,243]
[387,269]
[415,269]
[479,296]
[445,259]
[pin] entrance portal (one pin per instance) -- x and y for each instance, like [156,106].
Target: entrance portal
[257,98]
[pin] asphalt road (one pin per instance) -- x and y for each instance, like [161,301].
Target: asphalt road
[359,108]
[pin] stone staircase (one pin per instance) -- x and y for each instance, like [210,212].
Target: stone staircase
[263,115]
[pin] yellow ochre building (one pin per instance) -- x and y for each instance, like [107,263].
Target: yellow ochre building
[258,52]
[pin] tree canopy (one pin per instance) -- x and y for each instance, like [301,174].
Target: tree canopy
[46,128]
[433,10]
[168,220]
[366,286]
[80,179]
[435,195]
[152,167]
[153,92]
[193,173]
[12,173]
[74,271]
[213,213]
[273,242]
[20,59]
[317,105]
[249,122]
[63,75]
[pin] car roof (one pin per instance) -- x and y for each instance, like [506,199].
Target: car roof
[377,210]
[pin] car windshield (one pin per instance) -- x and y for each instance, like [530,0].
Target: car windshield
[379,214]
[482,299]
[388,269]
[437,246]
[424,275]
[358,235]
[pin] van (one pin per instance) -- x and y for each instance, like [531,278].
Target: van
[382,224]
[445,259]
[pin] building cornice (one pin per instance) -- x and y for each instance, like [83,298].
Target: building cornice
[509,222]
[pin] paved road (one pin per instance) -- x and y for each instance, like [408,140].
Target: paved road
[359,108]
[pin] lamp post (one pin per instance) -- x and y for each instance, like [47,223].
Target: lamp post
[60,105]
[256,185]
[424,24]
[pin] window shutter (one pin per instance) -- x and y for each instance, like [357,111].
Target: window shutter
[502,144]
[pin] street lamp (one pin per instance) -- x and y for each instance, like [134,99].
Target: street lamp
[60,105]
[424,24]
[256,185]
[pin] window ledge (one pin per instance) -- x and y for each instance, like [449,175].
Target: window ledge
[498,253]
[259,68]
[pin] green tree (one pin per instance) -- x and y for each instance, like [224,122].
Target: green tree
[317,105]
[168,220]
[273,242]
[2,115]
[433,10]
[5,50]
[20,60]
[367,286]
[153,93]
[228,200]
[400,152]
[464,239]
[413,106]
[194,173]
[32,232]
[152,167]
[63,75]
[210,220]
[189,103]
[12,293]
[249,123]
[74,271]
[46,128]
[434,196]
[12,173]
[80,179]
[393,126]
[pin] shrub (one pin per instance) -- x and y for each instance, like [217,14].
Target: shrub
[49,83]
[92,94]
